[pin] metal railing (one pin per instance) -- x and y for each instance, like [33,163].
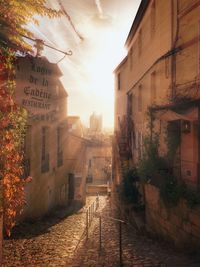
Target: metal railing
[120,235]
[90,214]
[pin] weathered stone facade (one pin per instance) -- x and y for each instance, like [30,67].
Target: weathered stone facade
[160,77]
[98,159]
[53,150]
[180,224]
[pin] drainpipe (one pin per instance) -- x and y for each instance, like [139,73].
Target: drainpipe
[151,126]
[174,38]
[198,164]
[180,151]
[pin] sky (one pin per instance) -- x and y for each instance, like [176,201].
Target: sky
[97,44]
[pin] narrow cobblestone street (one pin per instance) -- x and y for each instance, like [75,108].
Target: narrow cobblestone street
[56,243]
[138,250]
[49,242]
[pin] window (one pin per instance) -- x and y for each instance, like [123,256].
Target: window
[140,98]
[130,104]
[140,142]
[198,57]
[153,18]
[140,42]
[44,130]
[153,87]
[45,155]
[118,82]
[27,152]
[59,148]
[89,179]
[90,163]
[130,58]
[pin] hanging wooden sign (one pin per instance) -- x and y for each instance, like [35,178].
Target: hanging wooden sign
[36,82]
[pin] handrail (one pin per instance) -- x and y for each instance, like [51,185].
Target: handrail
[120,235]
[90,211]
[114,219]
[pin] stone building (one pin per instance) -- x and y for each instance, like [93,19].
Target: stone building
[160,72]
[157,91]
[52,154]
[95,124]
[98,164]
[98,157]
[76,163]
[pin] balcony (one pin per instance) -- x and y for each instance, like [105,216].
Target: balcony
[188,91]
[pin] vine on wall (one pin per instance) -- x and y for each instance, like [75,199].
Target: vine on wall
[128,189]
[152,164]
[14,16]
[12,131]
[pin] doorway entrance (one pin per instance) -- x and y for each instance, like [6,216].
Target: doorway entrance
[71,187]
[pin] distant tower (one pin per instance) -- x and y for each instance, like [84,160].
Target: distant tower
[95,123]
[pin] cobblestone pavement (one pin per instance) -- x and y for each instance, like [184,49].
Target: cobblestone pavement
[138,250]
[47,243]
[52,243]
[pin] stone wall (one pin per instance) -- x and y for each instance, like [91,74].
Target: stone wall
[179,224]
[98,160]
[94,189]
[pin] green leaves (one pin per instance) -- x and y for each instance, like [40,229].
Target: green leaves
[128,189]
[151,163]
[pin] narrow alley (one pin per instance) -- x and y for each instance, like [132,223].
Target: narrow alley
[61,241]
[49,242]
[100,133]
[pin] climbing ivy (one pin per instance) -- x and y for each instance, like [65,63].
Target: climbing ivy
[12,131]
[14,16]
[128,188]
[152,165]
[172,191]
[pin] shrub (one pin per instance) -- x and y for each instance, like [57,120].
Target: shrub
[171,191]
[128,188]
[151,163]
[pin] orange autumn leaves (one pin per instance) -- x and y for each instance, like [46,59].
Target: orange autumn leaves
[14,16]
[12,130]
